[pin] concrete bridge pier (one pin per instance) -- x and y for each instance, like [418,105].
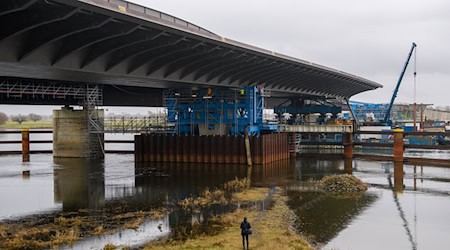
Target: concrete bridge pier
[73,135]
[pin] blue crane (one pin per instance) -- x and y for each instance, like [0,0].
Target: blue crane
[387,117]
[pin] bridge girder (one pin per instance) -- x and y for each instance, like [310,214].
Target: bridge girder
[104,43]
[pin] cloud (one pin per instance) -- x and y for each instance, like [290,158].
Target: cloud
[366,38]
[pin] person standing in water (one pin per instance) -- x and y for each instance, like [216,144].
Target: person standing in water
[245,231]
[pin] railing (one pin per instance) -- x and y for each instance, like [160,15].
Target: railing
[18,132]
[148,124]
[380,139]
[125,6]
[375,141]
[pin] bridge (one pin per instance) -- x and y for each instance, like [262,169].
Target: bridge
[112,52]
[118,43]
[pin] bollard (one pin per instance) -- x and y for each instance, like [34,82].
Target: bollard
[247,147]
[25,145]
[398,177]
[347,141]
[26,174]
[398,145]
[348,166]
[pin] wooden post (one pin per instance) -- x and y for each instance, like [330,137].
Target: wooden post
[347,141]
[398,177]
[398,145]
[25,145]
[348,166]
[247,148]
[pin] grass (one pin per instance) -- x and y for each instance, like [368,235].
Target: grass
[250,195]
[271,229]
[28,124]
[110,246]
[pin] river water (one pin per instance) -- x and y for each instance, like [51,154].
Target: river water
[408,213]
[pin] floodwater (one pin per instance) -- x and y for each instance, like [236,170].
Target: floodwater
[396,213]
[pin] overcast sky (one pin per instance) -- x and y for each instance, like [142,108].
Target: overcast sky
[370,39]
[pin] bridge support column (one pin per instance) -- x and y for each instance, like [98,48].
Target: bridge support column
[72,137]
[347,141]
[398,145]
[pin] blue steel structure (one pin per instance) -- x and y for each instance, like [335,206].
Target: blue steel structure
[309,105]
[212,107]
[360,109]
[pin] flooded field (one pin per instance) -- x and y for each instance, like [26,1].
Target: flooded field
[395,213]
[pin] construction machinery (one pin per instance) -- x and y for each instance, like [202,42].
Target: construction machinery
[376,110]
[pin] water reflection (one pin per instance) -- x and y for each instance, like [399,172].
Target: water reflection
[273,173]
[117,181]
[79,183]
[322,216]
[159,182]
[149,230]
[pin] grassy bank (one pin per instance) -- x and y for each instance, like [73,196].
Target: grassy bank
[28,124]
[271,228]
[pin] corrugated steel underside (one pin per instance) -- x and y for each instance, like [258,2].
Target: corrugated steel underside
[114,42]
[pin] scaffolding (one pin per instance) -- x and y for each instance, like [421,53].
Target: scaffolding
[154,124]
[95,122]
[215,111]
[39,90]
[295,140]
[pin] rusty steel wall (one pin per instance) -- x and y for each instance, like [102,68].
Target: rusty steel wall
[210,149]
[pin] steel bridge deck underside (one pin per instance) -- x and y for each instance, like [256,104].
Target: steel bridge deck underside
[118,43]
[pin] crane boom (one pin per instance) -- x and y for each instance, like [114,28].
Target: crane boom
[387,117]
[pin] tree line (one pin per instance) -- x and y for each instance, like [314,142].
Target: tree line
[19,118]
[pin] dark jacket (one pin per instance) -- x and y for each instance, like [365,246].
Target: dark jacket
[245,228]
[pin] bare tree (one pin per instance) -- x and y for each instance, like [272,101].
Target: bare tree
[18,118]
[3,118]
[34,117]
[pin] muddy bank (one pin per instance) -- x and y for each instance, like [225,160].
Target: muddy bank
[272,228]
[52,230]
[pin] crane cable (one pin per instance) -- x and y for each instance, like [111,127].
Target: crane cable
[415,73]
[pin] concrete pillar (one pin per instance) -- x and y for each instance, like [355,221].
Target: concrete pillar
[347,141]
[25,145]
[398,145]
[71,137]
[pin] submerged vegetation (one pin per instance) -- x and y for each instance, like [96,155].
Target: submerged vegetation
[219,230]
[50,231]
[272,228]
[217,196]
